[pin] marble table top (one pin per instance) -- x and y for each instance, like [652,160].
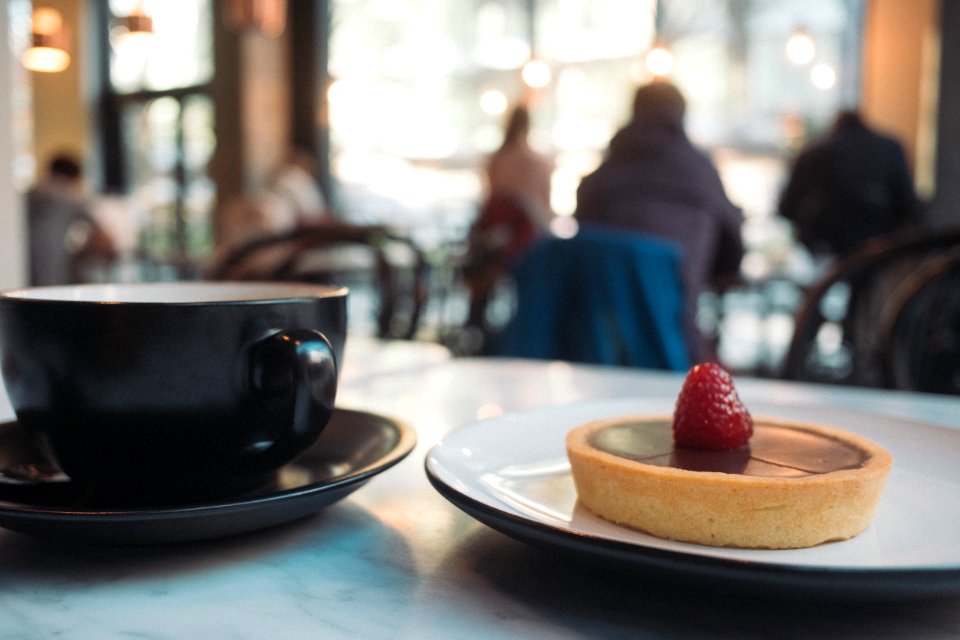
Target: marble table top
[397,560]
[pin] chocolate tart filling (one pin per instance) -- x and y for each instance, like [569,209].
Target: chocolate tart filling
[774,451]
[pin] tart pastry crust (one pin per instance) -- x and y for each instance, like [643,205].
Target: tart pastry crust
[730,509]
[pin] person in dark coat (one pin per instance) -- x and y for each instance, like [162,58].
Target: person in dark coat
[654,181]
[849,187]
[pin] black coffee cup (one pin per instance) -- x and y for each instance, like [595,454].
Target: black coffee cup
[167,392]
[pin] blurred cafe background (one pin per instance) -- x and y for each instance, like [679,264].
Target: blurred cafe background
[204,125]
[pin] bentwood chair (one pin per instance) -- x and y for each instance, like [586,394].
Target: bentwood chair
[845,330]
[920,331]
[370,259]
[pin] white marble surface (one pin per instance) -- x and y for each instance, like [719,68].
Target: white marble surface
[396,560]
[365,356]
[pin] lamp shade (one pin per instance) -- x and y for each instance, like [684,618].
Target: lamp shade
[47,52]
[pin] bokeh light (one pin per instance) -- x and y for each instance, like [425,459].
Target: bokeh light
[537,74]
[800,47]
[493,102]
[659,61]
[823,76]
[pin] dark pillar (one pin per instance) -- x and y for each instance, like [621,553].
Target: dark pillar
[227,167]
[309,31]
[945,209]
[110,154]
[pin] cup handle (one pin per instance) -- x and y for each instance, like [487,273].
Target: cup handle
[293,382]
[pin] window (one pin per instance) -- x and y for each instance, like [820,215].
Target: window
[419,89]
[161,116]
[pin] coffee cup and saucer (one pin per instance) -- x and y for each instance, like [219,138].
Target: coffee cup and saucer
[167,412]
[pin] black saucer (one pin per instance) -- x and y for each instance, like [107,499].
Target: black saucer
[354,447]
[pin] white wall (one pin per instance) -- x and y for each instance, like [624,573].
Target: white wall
[12,234]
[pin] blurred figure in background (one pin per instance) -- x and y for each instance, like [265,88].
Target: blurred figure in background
[518,173]
[516,211]
[654,181]
[64,236]
[291,199]
[849,187]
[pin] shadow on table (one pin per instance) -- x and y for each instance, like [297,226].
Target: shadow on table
[336,532]
[605,603]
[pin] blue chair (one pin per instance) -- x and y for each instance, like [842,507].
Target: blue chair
[604,296]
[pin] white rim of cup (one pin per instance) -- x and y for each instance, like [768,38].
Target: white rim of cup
[167,293]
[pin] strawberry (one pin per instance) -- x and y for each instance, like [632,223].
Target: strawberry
[709,414]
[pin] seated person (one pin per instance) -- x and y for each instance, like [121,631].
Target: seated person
[849,187]
[654,181]
[516,211]
[63,234]
[291,200]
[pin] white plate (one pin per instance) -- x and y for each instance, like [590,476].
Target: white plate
[512,473]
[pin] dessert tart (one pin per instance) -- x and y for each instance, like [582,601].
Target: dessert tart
[711,474]
[795,485]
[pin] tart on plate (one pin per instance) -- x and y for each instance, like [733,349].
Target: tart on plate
[762,483]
